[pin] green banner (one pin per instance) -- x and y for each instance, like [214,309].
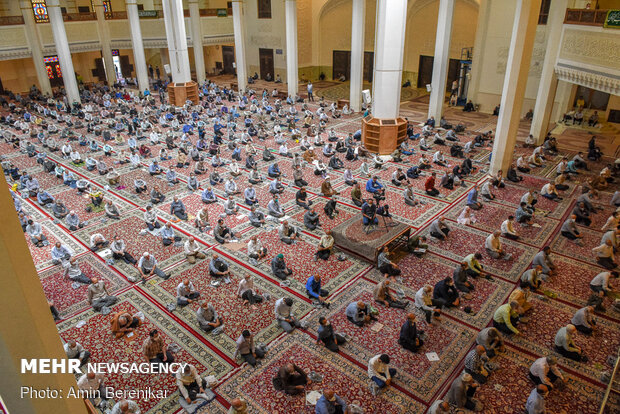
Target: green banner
[612,19]
[149,14]
[222,13]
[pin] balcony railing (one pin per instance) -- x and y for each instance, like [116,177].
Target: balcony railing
[79,17]
[11,20]
[586,17]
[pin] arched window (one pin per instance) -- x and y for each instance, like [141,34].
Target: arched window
[39,9]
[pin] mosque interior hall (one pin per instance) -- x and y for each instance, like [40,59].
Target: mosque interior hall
[310,206]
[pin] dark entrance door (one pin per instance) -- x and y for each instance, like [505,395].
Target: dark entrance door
[341,63]
[265,59]
[228,57]
[369,61]
[126,67]
[425,71]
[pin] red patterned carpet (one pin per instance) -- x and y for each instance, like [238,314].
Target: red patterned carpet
[420,381]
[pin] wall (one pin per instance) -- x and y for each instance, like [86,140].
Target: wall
[265,33]
[495,55]
[18,75]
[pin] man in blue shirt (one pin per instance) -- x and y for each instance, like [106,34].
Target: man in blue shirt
[330,403]
[314,291]
[154,168]
[274,170]
[472,199]
[376,188]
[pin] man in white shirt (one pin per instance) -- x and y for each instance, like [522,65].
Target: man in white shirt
[93,384]
[380,373]
[494,247]
[186,293]
[97,242]
[605,255]
[508,229]
[98,295]
[75,350]
[192,250]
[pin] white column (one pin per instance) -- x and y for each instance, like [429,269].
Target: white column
[440,62]
[292,75]
[515,80]
[484,12]
[104,38]
[239,30]
[62,50]
[34,41]
[358,17]
[390,28]
[548,80]
[199,57]
[174,21]
[139,61]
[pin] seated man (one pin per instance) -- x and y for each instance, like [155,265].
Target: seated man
[73,221]
[446,292]
[177,208]
[98,242]
[286,320]
[168,236]
[385,265]
[208,196]
[325,246]
[459,277]
[218,268]
[311,219]
[222,233]
[249,195]
[374,187]
[315,292]
[545,371]
[247,349]
[409,337]
[291,379]
[191,385]
[257,218]
[192,250]
[61,254]
[505,317]
[274,209]
[155,349]
[494,247]
[461,393]
[429,185]
[75,350]
[359,313]
[92,384]
[601,283]
[380,373]
[147,266]
[508,230]
[474,268]
[531,278]
[207,317]
[439,229]
[279,268]
[475,364]
[301,198]
[186,293]
[369,213]
[150,218]
[246,291]
[383,296]
[584,320]
[565,345]
[287,233]
[472,199]
[123,323]
[605,255]
[491,340]
[98,295]
[326,335]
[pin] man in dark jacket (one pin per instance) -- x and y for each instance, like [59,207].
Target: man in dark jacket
[445,290]
[409,335]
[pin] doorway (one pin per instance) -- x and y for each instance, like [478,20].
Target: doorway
[228,58]
[341,65]
[52,66]
[425,71]
[265,59]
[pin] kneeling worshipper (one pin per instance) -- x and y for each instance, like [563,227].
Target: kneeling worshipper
[123,323]
[291,379]
[410,335]
[207,317]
